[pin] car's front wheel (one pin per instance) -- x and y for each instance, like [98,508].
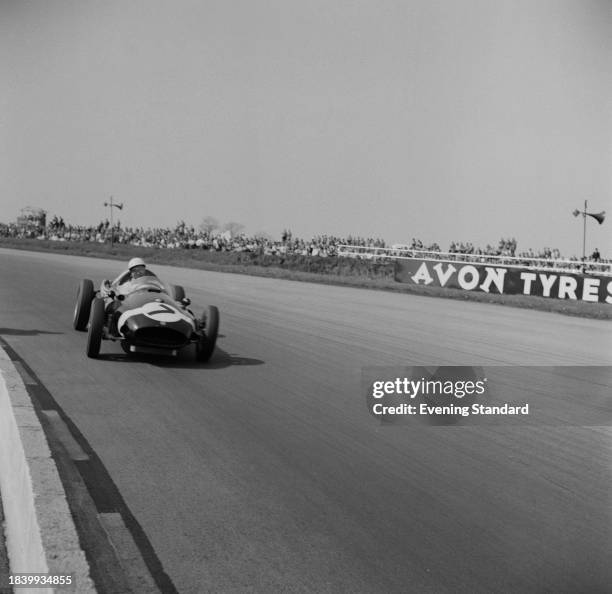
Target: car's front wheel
[85,294]
[206,345]
[96,327]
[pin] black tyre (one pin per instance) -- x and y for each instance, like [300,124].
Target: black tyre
[85,295]
[206,345]
[96,326]
[177,292]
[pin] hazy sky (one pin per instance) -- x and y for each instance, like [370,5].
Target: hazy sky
[458,119]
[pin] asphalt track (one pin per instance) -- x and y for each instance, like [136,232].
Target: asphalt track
[264,472]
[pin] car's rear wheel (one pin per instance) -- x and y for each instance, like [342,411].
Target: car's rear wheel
[85,294]
[177,292]
[96,327]
[206,345]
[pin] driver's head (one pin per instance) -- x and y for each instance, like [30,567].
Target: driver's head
[137,267]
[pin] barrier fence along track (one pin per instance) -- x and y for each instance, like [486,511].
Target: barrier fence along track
[541,264]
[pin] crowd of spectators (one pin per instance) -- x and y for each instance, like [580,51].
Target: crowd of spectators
[184,236]
[545,253]
[506,247]
[417,244]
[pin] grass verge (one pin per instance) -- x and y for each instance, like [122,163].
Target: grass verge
[334,271]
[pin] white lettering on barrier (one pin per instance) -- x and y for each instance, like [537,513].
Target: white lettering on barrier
[567,286]
[463,282]
[547,283]
[590,290]
[527,278]
[468,278]
[494,275]
[444,276]
[422,274]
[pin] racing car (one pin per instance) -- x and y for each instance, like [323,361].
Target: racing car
[152,318]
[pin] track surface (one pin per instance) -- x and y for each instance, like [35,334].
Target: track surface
[263,471]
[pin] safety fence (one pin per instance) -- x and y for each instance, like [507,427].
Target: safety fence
[505,275]
[590,267]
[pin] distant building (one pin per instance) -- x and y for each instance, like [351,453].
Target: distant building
[32,220]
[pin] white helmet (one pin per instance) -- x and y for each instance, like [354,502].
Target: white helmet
[135,262]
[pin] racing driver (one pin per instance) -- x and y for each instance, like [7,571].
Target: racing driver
[134,278]
[124,284]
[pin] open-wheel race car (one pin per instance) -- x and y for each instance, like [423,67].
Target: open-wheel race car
[147,317]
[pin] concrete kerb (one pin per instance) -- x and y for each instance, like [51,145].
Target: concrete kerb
[40,533]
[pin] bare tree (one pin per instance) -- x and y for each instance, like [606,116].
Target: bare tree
[234,228]
[209,224]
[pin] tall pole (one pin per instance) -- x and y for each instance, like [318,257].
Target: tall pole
[584,232]
[112,204]
[598,216]
[111,221]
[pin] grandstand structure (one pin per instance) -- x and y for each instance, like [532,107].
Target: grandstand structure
[403,252]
